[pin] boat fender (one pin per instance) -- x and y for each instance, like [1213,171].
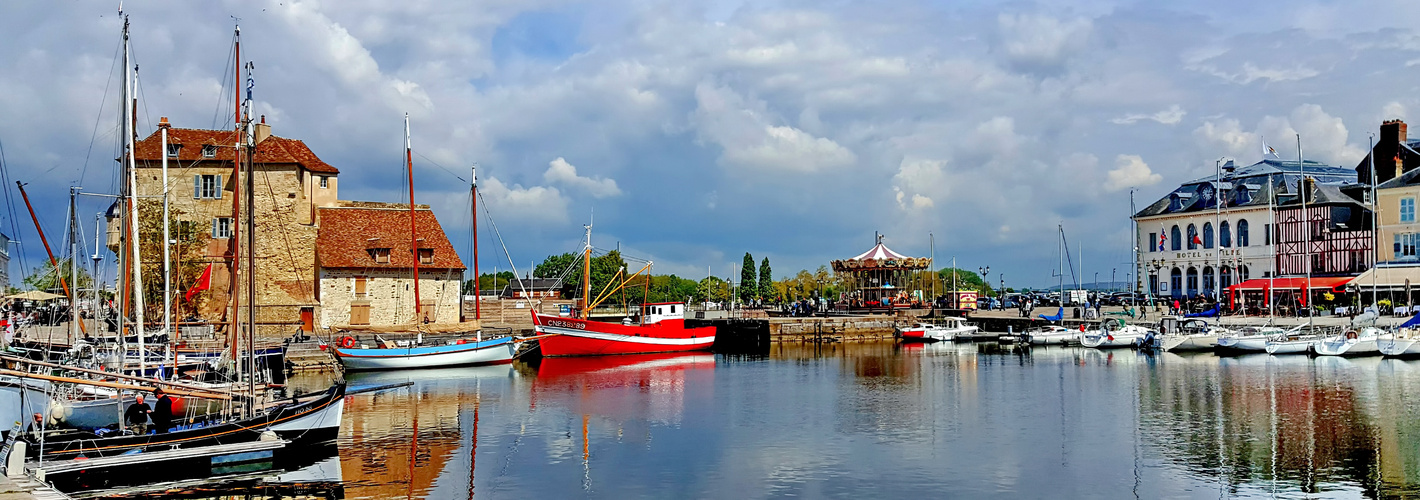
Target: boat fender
[347,342]
[1351,334]
[1082,327]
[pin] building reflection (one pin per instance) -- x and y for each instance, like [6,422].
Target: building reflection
[1284,423]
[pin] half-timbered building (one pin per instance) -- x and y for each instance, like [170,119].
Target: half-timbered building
[1324,230]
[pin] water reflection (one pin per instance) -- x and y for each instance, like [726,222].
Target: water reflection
[888,420]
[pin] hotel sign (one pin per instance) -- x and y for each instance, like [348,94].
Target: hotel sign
[1225,252]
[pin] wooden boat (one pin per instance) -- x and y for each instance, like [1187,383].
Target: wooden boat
[461,353]
[661,329]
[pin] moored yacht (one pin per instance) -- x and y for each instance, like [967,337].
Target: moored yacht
[1362,342]
[1050,334]
[941,329]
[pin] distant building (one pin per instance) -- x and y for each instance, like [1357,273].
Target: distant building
[1324,231]
[365,262]
[1191,245]
[1394,153]
[534,288]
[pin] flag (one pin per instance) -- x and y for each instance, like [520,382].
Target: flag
[203,282]
[1163,237]
[1196,240]
[1268,151]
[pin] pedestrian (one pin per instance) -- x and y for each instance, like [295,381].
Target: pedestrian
[163,412]
[137,416]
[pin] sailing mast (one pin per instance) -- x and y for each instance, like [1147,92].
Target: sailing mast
[233,335]
[413,236]
[249,139]
[1307,230]
[587,276]
[167,252]
[477,293]
[137,260]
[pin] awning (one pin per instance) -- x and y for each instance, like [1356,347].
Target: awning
[1388,278]
[35,295]
[1330,284]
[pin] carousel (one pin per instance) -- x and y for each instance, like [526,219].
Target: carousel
[882,278]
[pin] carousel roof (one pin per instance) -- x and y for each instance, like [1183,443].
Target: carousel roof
[880,252]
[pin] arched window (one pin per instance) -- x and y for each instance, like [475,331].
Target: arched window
[1208,280]
[1227,276]
[1177,238]
[1225,235]
[1242,233]
[1192,236]
[1192,281]
[1175,280]
[1207,235]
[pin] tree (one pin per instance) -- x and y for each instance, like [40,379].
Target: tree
[189,253]
[748,283]
[766,280]
[965,280]
[554,265]
[44,278]
[487,281]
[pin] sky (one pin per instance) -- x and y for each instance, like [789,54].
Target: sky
[690,133]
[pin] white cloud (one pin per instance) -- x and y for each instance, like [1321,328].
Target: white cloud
[1170,116]
[1039,41]
[561,172]
[1251,72]
[743,129]
[917,180]
[1130,171]
[536,203]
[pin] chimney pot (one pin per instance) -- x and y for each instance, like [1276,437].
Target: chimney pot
[263,118]
[163,122]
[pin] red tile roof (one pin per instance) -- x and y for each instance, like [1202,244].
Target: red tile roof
[272,150]
[347,236]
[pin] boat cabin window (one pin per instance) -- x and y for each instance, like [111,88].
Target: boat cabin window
[426,256]
[381,255]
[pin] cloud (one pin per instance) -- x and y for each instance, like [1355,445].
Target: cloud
[748,138]
[1250,72]
[1170,116]
[1130,171]
[917,180]
[1040,42]
[561,172]
[536,203]
[1324,137]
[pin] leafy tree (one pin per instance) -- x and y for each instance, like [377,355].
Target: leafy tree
[554,265]
[189,254]
[748,283]
[714,288]
[766,280]
[487,281]
[965,280]
[44,278]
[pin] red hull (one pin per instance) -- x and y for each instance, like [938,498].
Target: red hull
[579,337]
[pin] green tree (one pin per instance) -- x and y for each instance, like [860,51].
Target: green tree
[749,285]
[44,278]
[189,254]
[965,280]
[766,280]
[714,288]
[487,281]
[554,265]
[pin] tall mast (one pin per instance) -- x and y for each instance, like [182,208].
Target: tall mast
[1217,229]
[587,276]
[121,264]
[477,294]
[250,140]
[137,258]
[1134,237]
[167,239]
[1375,226]
[413,235]
[1307,229]
[94,277]
[233,334]
[74,323]
[1272,237]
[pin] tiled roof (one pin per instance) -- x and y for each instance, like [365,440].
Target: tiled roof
[348,235]
[272,150]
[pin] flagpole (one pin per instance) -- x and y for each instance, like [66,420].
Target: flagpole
[1217,229]
[1306,238]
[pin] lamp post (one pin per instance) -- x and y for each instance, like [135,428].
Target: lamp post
[1112,270]
[985,271]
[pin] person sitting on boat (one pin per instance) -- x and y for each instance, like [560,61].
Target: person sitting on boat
[137,416]
[163,413]
[36,428]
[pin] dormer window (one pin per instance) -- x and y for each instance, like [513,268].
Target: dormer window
[426,256]
[381,255]
[209,151]
[173,150]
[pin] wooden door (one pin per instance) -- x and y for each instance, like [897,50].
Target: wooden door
[359,314]
[308,319]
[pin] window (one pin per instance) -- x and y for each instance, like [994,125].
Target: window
[1242,233]
[1177,239]
[222,227]
[1176,281]
[1227,276]
[1153,242]
[324,181]
[1267,234]
[381,255]
[1242,274]
[1207,235]
[1405,244]
[426,256]
[359,314]
[173,150]
[209,151]
[1192,237]
[1407,210]
[361,283]
[207,187]
[1225,235]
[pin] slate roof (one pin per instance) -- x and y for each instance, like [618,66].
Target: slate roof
[1247,186]
[531,285]
[348,235]
[271,150]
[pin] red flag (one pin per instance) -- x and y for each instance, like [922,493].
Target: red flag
[1197,241]
[203,282]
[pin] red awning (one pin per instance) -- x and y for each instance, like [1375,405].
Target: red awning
[1335,284]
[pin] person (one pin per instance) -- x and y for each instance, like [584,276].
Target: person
[163,412]
[36,428]
[137,416]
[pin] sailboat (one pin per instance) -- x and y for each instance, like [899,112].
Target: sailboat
[392,356]
[661,326]
[1113,333]
[309,417]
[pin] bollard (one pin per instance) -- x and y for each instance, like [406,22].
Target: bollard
[15,463]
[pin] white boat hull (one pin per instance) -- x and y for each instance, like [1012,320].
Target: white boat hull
[1176,343]
[1250,343]
[1290,346]
[1053,338]
[1347,347]
[426,357]
[324,419]
[1399,347]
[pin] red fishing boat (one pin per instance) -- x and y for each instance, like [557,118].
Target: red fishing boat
[659,327]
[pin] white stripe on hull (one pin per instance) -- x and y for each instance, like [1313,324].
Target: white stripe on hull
[487,355]
[613,337]
[324,418]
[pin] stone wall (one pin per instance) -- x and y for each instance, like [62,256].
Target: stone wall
[390,294]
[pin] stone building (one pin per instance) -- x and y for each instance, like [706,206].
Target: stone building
[1190,245]
[366,262]
[292,184]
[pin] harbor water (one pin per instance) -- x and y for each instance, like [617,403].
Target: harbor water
[873,419]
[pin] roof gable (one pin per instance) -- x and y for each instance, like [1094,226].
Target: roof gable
[272,150]
[348,234]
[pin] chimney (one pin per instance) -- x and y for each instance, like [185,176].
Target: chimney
[1308,190]
[1387,152]
[163,123]
[262,130]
